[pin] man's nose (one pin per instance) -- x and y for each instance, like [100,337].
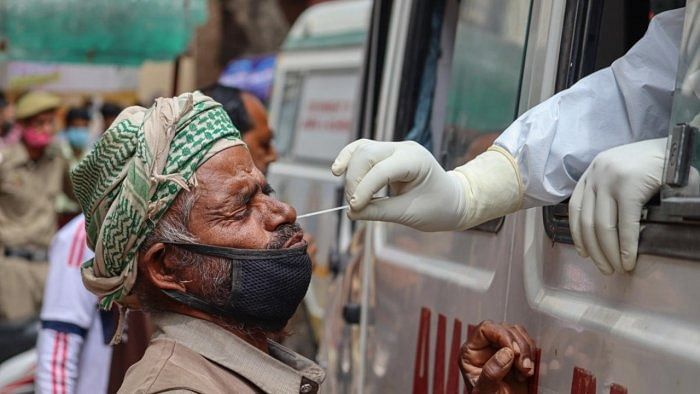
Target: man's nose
[279,214]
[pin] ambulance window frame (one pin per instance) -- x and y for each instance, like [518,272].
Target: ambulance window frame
[372,71]
[411,83]
[370,89]
[576,60]
[418,41]
[292,144]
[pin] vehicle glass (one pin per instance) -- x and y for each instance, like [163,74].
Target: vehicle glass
[482,98]
[620,24]
[323,105]
[686,98]
[289,108]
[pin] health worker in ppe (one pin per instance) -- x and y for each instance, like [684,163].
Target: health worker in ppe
[577,143]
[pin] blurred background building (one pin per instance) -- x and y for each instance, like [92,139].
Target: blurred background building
[226,30]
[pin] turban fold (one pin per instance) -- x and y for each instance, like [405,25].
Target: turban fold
[132,176]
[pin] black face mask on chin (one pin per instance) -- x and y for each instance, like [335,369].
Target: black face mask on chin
[267,285]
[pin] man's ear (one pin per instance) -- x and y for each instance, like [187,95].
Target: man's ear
[157,271]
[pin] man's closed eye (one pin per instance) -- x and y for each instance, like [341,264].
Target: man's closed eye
[268,190]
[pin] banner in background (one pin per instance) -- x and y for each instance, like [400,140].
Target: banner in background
[252,74]
[69,78]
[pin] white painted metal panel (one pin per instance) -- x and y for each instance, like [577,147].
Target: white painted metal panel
[638,332]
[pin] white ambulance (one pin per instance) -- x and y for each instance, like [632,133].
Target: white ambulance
[453,74]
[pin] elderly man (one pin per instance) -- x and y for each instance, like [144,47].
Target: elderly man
[32,175]
[248,114]
[183,225]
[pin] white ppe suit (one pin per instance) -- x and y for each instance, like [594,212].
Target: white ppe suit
[554,142]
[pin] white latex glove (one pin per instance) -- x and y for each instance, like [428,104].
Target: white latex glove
[424,196]
[606,205]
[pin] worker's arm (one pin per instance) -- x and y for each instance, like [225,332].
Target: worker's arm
[537,160]
[554,142]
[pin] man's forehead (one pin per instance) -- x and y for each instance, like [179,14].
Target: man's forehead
[230,165]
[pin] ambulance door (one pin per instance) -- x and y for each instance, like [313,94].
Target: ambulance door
[635,332]
[451,82]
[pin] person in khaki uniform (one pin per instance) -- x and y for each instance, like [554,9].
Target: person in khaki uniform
[183,226]
[32,175]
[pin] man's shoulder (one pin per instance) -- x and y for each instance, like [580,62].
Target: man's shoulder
[168,365]
[142,376]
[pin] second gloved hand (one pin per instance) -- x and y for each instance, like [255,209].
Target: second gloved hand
[606,205]
[423,195]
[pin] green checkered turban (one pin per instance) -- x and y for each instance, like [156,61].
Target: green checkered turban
[133,175]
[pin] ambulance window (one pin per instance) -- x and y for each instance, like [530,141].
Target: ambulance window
[324,121]
[289,108]
[316,112]
[484,81]
[582,52]
[461,78]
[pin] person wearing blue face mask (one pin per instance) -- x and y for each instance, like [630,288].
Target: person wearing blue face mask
[77,133]
[73,142]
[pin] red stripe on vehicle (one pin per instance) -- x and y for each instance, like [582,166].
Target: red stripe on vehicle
[453,374]
[439,366]
[583,382]
[421,365]
[618,389]
[534,381]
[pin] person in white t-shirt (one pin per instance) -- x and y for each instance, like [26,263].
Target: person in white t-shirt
[73,356]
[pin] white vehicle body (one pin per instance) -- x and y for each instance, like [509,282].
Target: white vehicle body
[416,293]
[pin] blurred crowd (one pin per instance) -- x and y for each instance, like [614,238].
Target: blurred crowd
[40,141]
